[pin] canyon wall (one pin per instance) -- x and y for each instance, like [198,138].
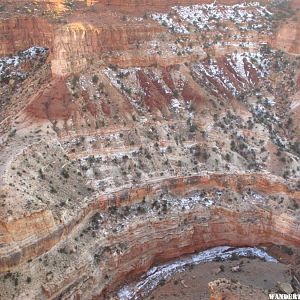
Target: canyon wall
[63,216]
[159,4]
[74,45]
[101,262]
[77,44]
[20,33]
[41,232]
[224,227]
[288,36]
[154,240]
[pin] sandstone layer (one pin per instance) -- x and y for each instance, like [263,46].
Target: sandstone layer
[30,236]
[134,133]
[225,289]
[77,44]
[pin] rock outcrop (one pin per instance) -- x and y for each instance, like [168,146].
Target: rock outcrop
[288,36]
[20,33]
[138,132]
[77,44]
[225,289]
[155,239]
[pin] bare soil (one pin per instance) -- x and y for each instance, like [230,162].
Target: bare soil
[193,283]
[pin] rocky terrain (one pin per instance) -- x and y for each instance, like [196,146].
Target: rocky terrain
[137,132]
[186,285]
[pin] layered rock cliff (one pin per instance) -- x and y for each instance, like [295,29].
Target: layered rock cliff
[173,227]
[106,244]
[134,133]
[288,36]
[20,33]
[76,44]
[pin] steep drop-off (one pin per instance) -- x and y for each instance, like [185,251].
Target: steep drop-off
[134,133]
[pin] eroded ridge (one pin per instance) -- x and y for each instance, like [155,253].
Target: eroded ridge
[134,134]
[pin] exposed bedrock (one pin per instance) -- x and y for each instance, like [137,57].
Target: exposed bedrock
[158,3]
[287,37]
[159,238]
[20,33]
[74,45]
[98,168]
[101,262]
[226,289]
[163,240]
[149,240]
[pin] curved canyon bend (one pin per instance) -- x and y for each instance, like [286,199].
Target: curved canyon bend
[135,133]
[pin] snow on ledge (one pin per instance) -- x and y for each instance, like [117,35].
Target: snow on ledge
[155,275]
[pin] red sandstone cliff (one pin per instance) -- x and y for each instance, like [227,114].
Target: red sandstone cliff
[49,214]
[288,36]
[42,235]
[20,33]
[74,44]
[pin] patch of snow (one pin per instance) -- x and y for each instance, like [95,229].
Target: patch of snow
[270,101]
[9,65]
[127,82]
[254,197]
[213,70]
[237,62]
[167,20]
[241,63]
[206,16]
[190,201]
[156,274]
[176,105]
